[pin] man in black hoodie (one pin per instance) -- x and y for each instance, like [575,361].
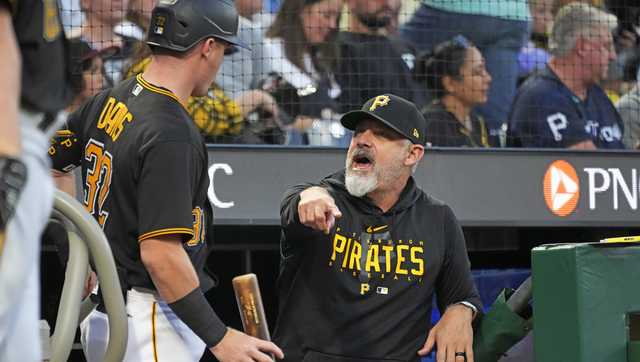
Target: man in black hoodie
[364,250]
[372,61]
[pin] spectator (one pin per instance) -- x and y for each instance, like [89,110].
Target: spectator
[87,72]
[626,38]
[534,56]
[248,8]
[236,74]
[101,17]
[371,62]
[498,28]
[137,19]
[458,79]
[393,29]
[629,108]
[299,47]
[564,106]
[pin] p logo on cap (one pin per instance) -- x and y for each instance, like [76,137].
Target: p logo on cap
[380,101]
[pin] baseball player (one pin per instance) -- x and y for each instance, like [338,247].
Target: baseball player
[364,251]
[34,88]
[144,172]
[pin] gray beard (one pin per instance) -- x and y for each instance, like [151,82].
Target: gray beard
[360,185]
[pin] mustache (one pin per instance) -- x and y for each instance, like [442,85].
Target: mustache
[361,152]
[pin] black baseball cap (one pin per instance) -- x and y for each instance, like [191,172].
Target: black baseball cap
[395,112]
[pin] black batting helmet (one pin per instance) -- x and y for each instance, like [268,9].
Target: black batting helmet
[180,24]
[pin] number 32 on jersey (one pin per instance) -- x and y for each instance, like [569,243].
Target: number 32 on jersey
[98,180]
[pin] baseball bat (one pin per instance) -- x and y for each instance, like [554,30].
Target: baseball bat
[247,291]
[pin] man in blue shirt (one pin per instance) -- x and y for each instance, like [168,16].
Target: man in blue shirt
[563,106]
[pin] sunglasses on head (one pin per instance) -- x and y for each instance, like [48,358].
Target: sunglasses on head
[460,40]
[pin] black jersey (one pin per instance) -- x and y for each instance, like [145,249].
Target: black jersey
[144,172]
[46,77]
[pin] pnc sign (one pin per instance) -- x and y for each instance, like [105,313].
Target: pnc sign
[604,188]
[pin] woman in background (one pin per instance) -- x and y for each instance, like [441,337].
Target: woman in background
[457,77]
[299,48]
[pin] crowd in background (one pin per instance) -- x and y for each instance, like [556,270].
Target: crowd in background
[501,73]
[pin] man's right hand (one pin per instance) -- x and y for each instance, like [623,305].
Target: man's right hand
[239,347]
[317,209]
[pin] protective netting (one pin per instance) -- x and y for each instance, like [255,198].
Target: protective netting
[485,73]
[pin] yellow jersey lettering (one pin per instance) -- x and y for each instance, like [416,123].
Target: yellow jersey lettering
[198,230]
[113,117]
[417,260]
[51,23]
[339,244]
[401,259]
[128,117]
[346,254]
[372,258]
[387,257]
[354,259]
[102,121]
[364,288]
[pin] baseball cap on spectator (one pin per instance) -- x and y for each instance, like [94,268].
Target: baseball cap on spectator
[395,112]
[80,58]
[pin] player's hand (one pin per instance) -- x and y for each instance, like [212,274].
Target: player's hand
[89,284]
[317,209]
[453,333]
[239,347]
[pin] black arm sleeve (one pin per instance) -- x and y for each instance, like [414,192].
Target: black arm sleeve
[455,283]
[292,229]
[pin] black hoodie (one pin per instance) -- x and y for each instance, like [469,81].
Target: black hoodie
[364,292]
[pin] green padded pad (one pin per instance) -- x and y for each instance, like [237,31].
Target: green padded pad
[582,294]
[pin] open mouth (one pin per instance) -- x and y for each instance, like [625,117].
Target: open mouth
[361,162]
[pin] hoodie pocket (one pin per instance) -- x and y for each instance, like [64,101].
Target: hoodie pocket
[315,356]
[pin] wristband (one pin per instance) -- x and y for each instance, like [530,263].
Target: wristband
[469,305]
[13,176]
[196,312]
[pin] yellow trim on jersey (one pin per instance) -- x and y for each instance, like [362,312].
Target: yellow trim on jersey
[155,89]
[153,332]
[168,231]
[1,241]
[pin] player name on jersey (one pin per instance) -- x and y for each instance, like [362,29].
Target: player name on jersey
[113,117]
